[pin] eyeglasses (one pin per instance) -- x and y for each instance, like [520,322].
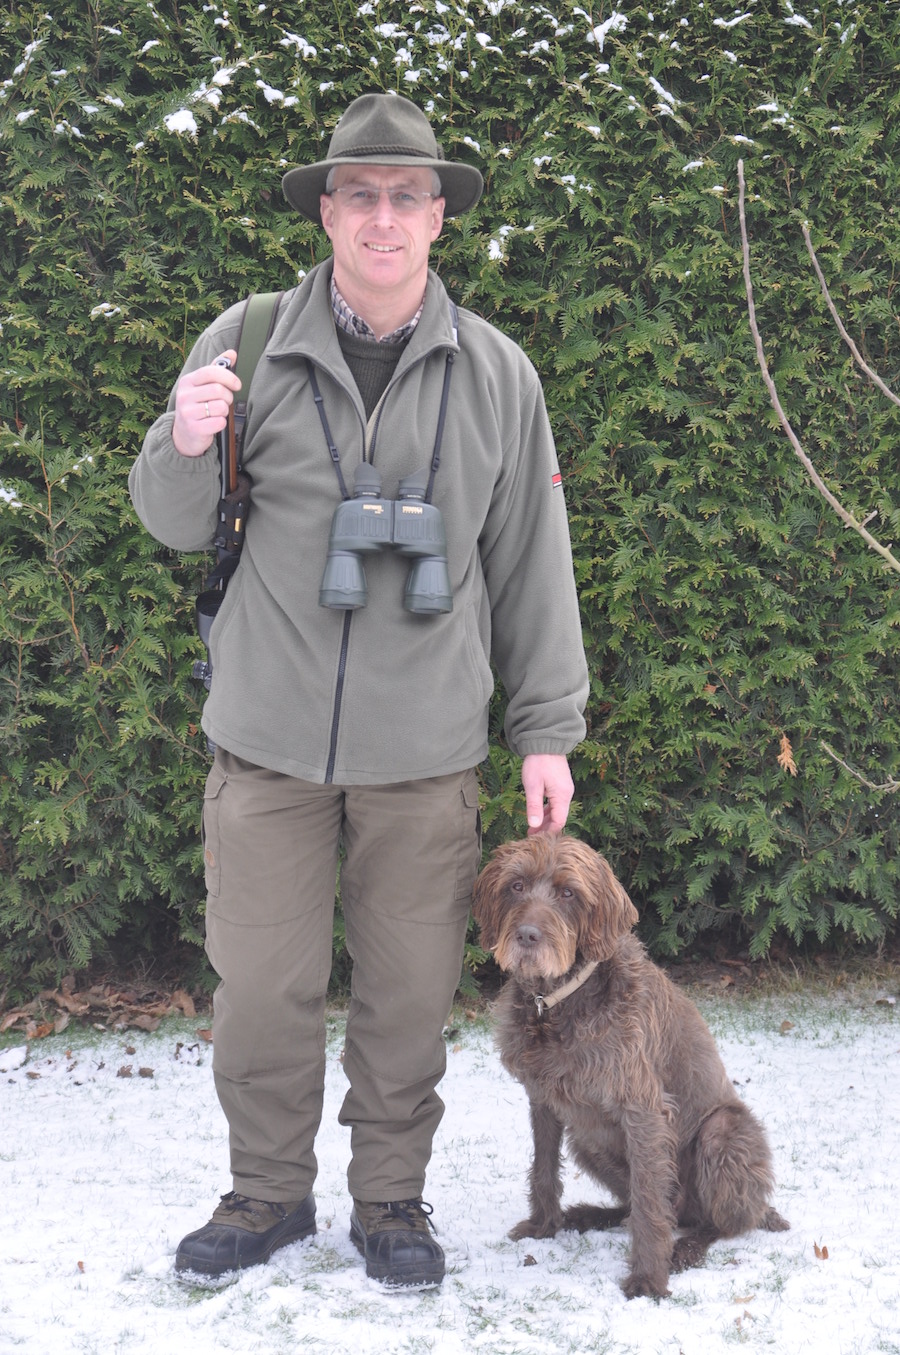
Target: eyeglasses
[362,199]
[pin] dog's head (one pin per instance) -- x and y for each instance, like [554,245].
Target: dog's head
[544,901]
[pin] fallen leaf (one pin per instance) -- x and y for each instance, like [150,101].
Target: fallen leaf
[81,1267]
[124,1071]
[145,1072]
[205,1035]
[184,1002]
[529,1261]
[821,1252]
[66,998]
[786,1026]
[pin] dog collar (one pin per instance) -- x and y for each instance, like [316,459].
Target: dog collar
[545,1003]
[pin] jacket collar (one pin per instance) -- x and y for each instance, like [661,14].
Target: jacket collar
[306,329]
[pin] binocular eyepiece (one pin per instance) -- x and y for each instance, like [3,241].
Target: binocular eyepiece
[368,523]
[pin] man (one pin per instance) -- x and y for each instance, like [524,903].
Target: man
[356,723]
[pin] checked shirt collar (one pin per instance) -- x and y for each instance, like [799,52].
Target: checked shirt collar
[351,323]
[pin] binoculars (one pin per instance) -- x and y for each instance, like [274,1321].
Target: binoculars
[368,523]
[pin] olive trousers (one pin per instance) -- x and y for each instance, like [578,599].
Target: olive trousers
[408,856]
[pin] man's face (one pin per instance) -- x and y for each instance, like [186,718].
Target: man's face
[380,251]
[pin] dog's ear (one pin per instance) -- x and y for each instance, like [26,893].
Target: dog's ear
[486,899]
[610,912]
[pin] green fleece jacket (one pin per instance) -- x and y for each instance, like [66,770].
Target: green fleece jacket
[380,695]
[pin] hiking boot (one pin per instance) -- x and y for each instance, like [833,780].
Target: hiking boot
[244,1232]
[396,1241]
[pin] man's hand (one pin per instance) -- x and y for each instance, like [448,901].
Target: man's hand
[202,401]
[546,777]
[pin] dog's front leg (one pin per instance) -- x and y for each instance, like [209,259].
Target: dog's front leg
[651,1151]
[545,1182]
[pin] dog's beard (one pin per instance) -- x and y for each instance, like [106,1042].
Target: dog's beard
[549,958]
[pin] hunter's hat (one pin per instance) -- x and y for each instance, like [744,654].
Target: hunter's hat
[383,129]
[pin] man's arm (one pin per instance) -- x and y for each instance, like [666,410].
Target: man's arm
[536,636]
[174,486]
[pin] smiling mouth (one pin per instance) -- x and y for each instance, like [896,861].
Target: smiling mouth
[383,249]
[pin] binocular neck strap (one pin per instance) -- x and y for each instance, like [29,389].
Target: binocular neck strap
[442,415]
[445,393]
[329,440]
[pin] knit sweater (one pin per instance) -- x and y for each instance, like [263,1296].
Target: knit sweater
[372,365]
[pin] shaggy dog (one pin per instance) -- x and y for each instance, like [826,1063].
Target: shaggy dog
[613,1055]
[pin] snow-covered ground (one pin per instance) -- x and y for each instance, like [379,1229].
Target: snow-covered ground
[102,1173]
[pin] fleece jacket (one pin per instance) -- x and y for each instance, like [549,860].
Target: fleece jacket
[379,694]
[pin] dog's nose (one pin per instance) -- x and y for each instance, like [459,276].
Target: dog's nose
[528,934]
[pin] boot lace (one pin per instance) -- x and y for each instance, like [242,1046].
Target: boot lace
[232,1203]
[414,1213]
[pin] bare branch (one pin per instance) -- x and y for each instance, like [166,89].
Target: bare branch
[811,471]
[873,376]
[890,785]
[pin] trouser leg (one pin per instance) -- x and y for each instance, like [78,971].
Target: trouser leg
[271,845]
[412,852]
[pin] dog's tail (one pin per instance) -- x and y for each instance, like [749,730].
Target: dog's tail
[585,1218]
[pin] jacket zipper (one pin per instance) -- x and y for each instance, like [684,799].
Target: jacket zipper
[371,428]
[338,697]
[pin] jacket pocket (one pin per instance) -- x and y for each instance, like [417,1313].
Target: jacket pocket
[210,831]
[480,664]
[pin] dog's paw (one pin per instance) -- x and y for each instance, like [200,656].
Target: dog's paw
[689,1251]
[774,1223]
[644,1287]
[535,1228]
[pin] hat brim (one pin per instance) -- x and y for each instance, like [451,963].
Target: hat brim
[461,185]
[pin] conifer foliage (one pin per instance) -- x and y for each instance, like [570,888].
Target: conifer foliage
[733,625]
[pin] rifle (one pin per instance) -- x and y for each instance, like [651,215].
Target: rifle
[257,324]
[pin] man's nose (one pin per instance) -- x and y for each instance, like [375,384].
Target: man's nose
[384,212]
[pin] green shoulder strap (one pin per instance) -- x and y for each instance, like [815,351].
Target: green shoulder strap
[257,324]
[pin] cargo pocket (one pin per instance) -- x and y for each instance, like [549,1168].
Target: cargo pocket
[470,854]
[210,832]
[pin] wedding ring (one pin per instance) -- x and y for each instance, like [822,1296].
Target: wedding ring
[206,402]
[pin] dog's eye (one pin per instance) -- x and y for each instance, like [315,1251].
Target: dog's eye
[566,893]
[518,886]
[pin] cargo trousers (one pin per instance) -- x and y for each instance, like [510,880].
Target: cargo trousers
[407,855]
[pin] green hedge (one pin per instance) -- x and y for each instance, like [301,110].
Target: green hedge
[731,621]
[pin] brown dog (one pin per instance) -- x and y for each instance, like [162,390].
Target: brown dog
[614,1055]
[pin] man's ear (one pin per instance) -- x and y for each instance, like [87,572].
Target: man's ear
[326,211]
